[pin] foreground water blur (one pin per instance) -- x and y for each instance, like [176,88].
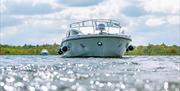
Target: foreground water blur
[53,73]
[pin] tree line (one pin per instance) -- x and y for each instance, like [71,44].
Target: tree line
[155,50]
[28,49]
[52,49]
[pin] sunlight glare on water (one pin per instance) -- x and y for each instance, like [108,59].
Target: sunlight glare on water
[53,73]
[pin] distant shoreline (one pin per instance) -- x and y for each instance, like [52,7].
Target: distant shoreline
[149,50]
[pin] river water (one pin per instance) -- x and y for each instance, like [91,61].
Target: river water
[53,73]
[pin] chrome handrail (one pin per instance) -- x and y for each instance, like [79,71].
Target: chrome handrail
[93,23]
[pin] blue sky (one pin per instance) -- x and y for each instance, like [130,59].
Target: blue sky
[46,21]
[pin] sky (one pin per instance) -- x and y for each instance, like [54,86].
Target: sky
[46,21]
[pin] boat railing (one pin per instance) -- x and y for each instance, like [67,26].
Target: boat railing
[96,26]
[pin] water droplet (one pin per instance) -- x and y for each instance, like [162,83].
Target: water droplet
[64,79]
[80,65]
[68,64]
[97,83]
[53,87]
[147,81]
[25,79]
[19,84]
[8,88]
[78,87]
[2,84]
[44,88]
[166,85]
[31,88]
[107,75]
[109,84]
[117,89]
[138,70]
[10,79]
[71,80]
[123,86]
[101,85]
[70,72]
[91,82]
[55,73]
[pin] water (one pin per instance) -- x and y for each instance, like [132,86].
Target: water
[53,73]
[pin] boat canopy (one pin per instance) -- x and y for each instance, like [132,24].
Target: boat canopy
[95,26]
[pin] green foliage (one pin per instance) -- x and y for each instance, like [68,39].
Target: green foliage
[27,49]
[52,49]
[155,50]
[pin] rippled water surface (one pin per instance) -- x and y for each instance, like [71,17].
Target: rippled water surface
[53,73]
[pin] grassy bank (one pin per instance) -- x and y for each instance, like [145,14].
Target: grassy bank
[139,50]
[27,49]
[155,50]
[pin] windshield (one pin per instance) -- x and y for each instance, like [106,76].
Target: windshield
[96,27]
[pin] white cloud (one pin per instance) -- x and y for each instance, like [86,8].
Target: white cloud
[139,40]
[52,3]
[2,7]
[50,39]
[157,36]
[80,3]
[173,19]
[107,9]
[9,31]
[162,6]
[38,23]
[153,22]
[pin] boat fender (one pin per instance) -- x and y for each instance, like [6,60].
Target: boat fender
[130,48]
[60,52]
[64,48]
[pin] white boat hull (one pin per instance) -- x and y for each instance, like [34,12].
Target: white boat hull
[96,46]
